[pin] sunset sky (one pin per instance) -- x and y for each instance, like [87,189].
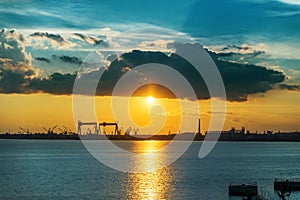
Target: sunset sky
[254,43]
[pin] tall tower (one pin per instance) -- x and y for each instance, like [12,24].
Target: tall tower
[199,127]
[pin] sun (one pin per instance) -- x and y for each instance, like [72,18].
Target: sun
[150,99]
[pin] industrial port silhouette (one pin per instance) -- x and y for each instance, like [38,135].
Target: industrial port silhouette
[62,132]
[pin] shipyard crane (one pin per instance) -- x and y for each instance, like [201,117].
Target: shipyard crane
[45,129]
[24,131]
[104,124]
[66,129]
[62,131]
[50,130]
[95,124]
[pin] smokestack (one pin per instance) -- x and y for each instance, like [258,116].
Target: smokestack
[199,126]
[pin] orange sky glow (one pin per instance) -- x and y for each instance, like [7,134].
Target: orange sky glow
[275,110]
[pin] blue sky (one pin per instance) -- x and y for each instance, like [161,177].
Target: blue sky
[198,18]
[239,27]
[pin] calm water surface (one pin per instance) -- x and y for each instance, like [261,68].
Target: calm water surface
[43,169]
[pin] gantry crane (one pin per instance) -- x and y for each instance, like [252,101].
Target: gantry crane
[87,123]
[104,124]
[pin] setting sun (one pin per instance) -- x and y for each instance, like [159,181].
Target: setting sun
[150,99]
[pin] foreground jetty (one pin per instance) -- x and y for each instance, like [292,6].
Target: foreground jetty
[243,189]
[288,184]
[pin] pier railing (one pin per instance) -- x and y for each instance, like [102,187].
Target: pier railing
[244,184]
[287,180]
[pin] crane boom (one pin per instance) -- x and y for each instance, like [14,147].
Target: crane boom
[24,131]
[45,129]
[53,128]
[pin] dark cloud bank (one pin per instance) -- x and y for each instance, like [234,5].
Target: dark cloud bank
[17,75]
[240,79]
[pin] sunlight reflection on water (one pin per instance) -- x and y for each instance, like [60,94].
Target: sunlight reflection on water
[150,185]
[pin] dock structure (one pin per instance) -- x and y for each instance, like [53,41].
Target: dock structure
[243,189]
[287,184]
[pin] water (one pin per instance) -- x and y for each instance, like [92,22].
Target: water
[43,169]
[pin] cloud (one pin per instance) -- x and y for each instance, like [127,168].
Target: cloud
[245,49]
[143,37]
[89,39]
[111,58]
[286,50]
[289,87]
[63,58]
[240,80]
[56,40]
[15,77]
[56,83]
[285,13]
[270,50]
[293,2]
[155,45]
[68,59]
[12,46]
[254,54]
[16,70]
[42,59]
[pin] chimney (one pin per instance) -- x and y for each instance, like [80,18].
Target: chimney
[199,127]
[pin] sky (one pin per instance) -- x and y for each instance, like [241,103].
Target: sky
[254,44]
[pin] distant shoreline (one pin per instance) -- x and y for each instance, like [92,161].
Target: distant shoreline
[238,137]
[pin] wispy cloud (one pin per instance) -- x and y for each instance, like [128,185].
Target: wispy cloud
[42,59]
[89,39]
[29,11]
[290,87]
[293,2]
[56,40]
